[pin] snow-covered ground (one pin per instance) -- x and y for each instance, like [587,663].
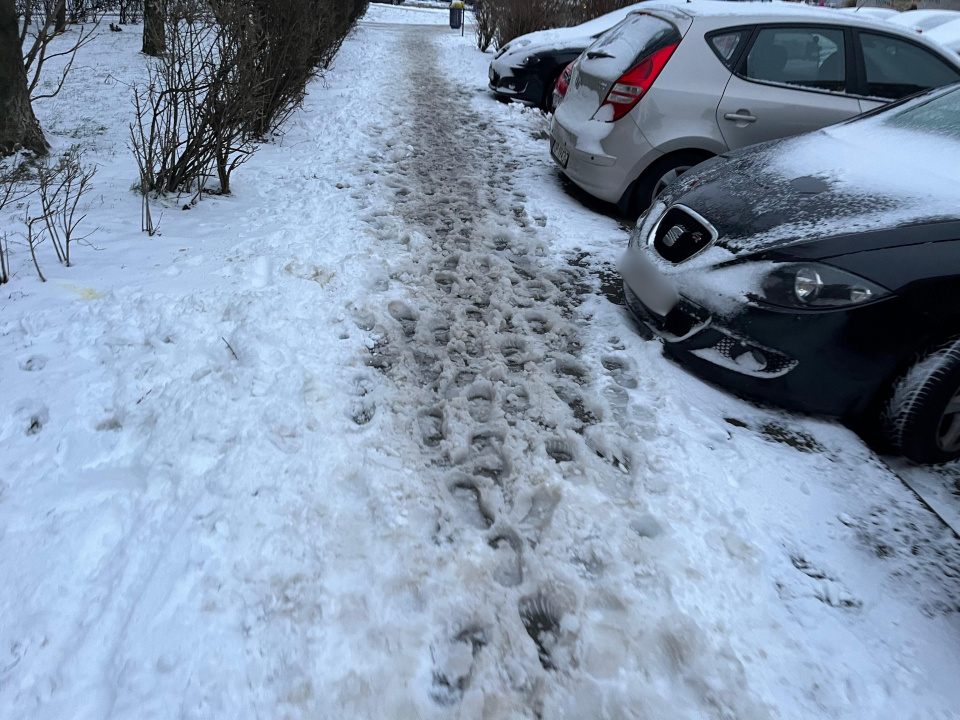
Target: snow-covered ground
[368,439]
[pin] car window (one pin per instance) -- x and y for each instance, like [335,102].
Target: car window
[637,37]
[896,68]
[808,57]
[726,44]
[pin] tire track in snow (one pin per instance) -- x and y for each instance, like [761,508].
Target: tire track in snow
[484,354]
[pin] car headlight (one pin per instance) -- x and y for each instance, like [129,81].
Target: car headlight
[814,285]
[528,61]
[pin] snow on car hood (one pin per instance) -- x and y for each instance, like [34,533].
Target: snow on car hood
[568,37]
[849,178]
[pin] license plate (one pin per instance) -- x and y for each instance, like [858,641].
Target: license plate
[559,153]
[492,73]
[655,291]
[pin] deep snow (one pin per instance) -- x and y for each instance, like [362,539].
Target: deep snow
[367,439]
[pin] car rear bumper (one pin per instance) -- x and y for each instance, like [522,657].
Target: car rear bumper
[828,362]
[603,167]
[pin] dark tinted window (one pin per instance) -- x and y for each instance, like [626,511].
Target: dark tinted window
[635,38]
[726,44]
[896,68]
[807,57]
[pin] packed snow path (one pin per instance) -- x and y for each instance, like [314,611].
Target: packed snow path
[528,473]
[367,440]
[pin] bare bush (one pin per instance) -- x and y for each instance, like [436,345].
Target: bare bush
[34,236]
[14,174]
[485,17]
[232,74]
[192,118]
[62,185]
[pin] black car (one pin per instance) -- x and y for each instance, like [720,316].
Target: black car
[820,272]
[527,68]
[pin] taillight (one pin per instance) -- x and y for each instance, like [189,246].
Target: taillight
[627,91]
[563,82]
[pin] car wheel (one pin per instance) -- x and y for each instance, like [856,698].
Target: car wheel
[658,176]
[547,100]
[922,417]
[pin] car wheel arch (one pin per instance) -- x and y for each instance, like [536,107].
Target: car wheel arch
[630,201]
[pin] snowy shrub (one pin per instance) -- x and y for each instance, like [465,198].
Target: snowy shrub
[13,188]
[232,74]
[484,14]
[58,185]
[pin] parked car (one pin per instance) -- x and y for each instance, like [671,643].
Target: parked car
[947,35]
[526,68]
[673,85]
[923,20]
[820,272]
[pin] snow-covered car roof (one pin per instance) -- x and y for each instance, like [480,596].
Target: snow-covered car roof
[713,8]
[877,13]
[760,11]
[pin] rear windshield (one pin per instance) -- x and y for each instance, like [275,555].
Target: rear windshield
[941,115]
[626,44]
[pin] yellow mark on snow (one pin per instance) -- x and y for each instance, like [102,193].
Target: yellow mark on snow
[84,293]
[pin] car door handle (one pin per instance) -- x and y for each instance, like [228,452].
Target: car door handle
[740,116]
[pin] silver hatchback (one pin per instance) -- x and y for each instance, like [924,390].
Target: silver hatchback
[672,86]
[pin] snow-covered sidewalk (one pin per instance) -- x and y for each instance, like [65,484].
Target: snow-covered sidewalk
[368,440]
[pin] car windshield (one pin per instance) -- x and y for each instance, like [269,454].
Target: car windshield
[940,115]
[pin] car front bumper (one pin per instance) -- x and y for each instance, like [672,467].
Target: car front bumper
[830,362]
[514,83]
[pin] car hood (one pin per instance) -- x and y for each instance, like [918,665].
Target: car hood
[842,189]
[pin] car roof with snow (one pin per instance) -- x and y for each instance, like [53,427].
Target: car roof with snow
[751,12]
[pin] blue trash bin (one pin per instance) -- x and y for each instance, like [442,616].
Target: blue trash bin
[456,15]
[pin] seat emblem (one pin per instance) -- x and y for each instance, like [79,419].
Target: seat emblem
[673,234]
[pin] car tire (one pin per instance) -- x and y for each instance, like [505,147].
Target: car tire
[921,419]
[547,100]
[656,177]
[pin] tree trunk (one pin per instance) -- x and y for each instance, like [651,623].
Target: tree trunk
[154,35]
[18,124]
[61,26]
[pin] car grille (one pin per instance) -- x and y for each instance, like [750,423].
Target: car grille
[681,233]
[746,358]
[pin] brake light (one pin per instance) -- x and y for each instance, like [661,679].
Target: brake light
[633,84]
[563,82]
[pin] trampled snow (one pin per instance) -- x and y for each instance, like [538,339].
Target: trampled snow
[367,439]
